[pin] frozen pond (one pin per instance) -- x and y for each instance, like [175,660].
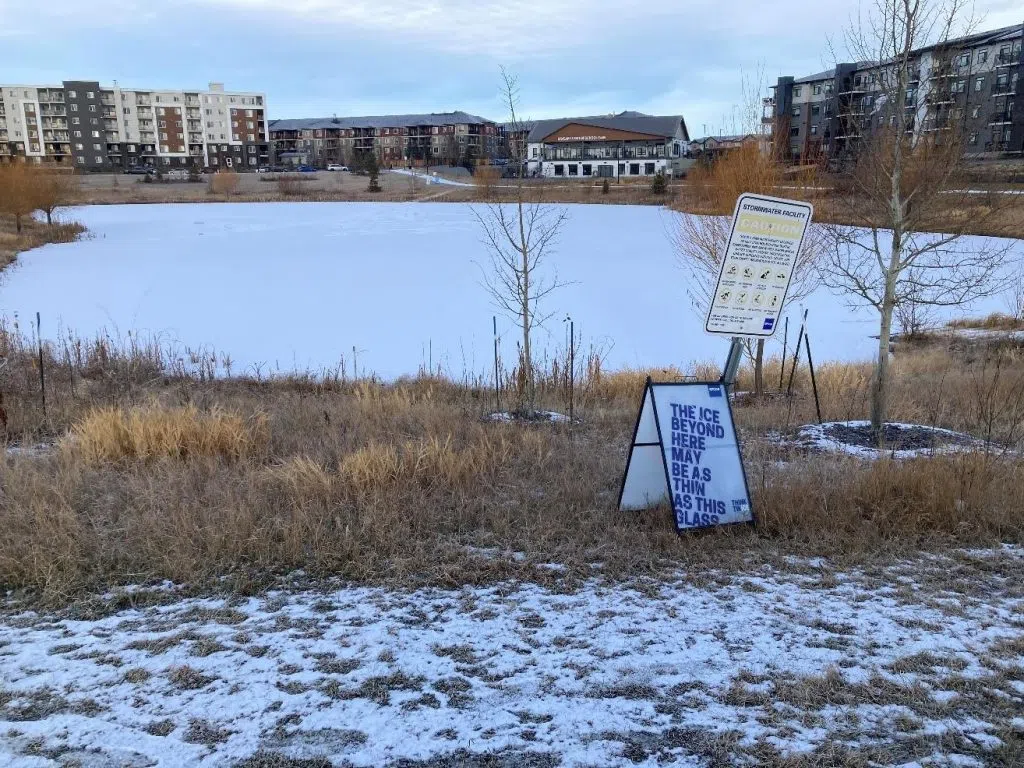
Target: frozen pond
[286,286]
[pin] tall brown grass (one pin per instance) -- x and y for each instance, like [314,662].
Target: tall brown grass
[153,432]
[223,183]
[170,476]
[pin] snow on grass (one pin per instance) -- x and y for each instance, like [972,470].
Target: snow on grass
[926,440]
[388,287]
[920,656]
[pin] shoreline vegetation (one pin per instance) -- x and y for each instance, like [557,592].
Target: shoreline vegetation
[136,472]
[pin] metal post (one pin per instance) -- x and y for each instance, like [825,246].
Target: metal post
[796,354]
[572,365]
[42,374]
[785,348]
[814,381]
[732,363]
[497,381]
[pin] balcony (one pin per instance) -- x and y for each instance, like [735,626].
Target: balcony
[1007,58]
[998,146]
[1004,89]
[999,118]
[53,97]
[47,111]
[114,149]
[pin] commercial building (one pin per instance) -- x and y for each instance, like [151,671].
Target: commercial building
[95,128]
[450,138]
[609,146]
[711,147]
[971,82]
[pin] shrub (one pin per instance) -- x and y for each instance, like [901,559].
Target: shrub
[288,185]
[147,433]
[658,184]
[605,187]
[223,183]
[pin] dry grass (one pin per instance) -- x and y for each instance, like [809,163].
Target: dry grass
[224,183]
[168,476]
[997,321]
[33,235]
[153,432]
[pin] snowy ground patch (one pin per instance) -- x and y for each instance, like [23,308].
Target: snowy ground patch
[892,664]
[903,441]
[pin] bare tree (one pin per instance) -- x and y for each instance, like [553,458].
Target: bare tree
[19,191]
[54,190]
[519,237]
[904,180]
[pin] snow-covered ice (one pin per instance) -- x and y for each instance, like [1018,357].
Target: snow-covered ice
[921,655]
[389,287]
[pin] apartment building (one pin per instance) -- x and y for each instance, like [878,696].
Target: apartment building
[450,138]
[94,128]
[970,82]
[607,146]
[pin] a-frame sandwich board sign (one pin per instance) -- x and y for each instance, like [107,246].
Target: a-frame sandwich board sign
[685,453]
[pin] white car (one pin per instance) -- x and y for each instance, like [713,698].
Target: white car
[337,167]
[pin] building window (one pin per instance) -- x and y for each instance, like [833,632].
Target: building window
[959,86]
[649,169]
[79,147]
[814,130]
[213,160]
[533,152]
[975,111]
[95,134]
[80,160]
[634,169]
[974,138]
[964,60]
[78,134]
[622,169]
[796,90]
[815,110]
[573,169]
[90,95]
[978,83]
[163,123]
[96,147]
[99,159]
[794,131]
[74,107]
[75,121]
[131,147]
[586,169]
[92,107]
[816,90]
[828,88]
[796,110]
[982,56]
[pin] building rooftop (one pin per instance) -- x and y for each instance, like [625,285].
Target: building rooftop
[378,121]
[635,122]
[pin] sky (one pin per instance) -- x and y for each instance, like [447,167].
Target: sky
[316,58]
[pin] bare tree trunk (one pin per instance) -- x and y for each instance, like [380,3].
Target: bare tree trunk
[17,223]
[49,217]
[759,369]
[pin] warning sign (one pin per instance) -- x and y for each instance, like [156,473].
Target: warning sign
[766,236]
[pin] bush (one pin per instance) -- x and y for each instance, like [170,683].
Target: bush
[658,184]
[289,185]
[147,433]
[605,187]
[223,183]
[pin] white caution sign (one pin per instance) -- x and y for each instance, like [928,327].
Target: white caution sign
[685,454]
[765,240]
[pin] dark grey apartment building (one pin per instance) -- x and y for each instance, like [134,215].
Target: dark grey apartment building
[972,80]
[424,139]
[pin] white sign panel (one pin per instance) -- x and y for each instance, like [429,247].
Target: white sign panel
[685,453]
[766,236]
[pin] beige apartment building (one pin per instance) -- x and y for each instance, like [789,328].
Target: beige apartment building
[94,128]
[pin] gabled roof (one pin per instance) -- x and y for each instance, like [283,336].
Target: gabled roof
[378,121]
[633,122]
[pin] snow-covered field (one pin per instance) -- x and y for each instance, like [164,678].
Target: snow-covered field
[918,661]
[389,286]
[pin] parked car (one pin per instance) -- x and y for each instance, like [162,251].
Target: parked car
[306,169]
[140,170]
[336,167]
[263,169]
